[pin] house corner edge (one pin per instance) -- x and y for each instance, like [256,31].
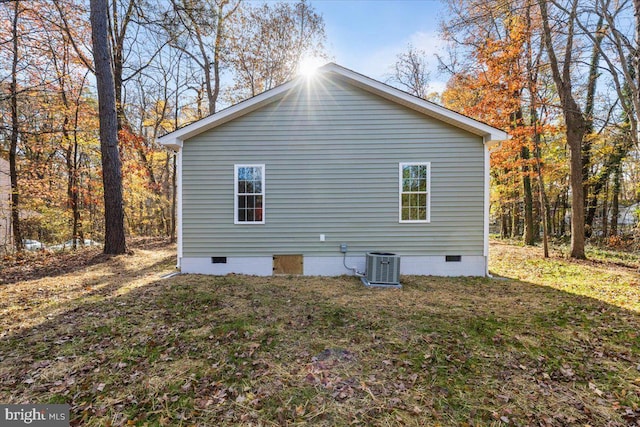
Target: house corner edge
[487,205]
[179,207]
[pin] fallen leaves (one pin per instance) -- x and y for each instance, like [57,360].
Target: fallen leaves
[128,349]
[39,264]
[595,389]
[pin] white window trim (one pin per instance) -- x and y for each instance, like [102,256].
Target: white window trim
[235,194]
[400,168]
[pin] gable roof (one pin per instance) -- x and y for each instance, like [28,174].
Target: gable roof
[490,134]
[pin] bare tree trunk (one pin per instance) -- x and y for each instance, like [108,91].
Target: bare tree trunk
[515,212]
[117,34]
[504,223]
[544,213]
[532,73]
[586,146]
[605,211]
[15,131]
[78,233]
[563,214]
[574,121]
[71,153]
[114,241]
[636,64]
[615,201]
[575,133]
[525,155]
[70,144]
[174,191]
[528,235]
[216,58]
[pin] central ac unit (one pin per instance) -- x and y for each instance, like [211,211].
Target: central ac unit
[383,269]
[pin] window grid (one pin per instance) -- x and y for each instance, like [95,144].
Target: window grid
[249,194]
[414,183]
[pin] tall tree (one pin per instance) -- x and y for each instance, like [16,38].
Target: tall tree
[69,111]
[114,241]
[496,40]
[619,48]
[15,129]
[575,122]
[410,72]
[533,56]
[199,30]
[589,111]
[267,44]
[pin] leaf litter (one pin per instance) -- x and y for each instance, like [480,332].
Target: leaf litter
[125,348]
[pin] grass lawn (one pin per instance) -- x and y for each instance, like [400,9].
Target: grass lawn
[546,343]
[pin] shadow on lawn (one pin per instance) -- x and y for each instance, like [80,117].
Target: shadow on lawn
[240,350]
[110,284]
[45,264]
[37,265]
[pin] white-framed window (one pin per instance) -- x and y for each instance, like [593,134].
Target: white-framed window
[414,192]
[249,191]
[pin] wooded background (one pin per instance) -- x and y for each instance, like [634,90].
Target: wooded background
[561,76]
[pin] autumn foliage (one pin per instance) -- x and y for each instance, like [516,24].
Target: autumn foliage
[167,61]
[501,73]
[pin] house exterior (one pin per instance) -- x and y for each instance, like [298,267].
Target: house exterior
[6,241]
[277,183]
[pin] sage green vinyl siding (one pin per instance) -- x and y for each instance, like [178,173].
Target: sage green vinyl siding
[331,155]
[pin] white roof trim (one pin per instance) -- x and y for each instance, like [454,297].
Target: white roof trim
[489,134]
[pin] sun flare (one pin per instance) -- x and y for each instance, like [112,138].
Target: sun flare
[309,65]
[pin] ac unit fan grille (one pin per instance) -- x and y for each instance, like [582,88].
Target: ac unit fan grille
[383,269]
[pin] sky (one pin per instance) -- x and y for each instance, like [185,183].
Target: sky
[367,35]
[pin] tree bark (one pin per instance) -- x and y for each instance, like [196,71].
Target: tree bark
[532,73]
[114,240]
[562,230]
[528,235]
[574,121]
[15,132]
[605,211]
[575,133]
[504,223]
[117,35]
[636,65]
[615,201]
[544,207]
[588,112]
[174,193]
[217,58]
[71,161]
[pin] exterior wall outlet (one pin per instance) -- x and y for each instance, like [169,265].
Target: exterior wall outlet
[322,238]
[343,248]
